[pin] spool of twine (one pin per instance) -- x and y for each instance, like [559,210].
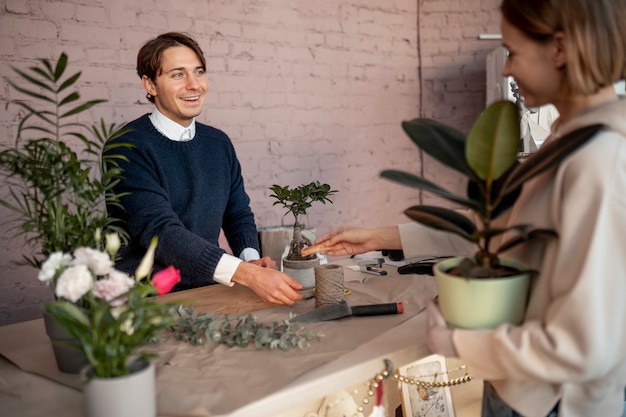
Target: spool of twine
[328,284]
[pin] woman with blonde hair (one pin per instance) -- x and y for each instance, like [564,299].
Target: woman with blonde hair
[568,357]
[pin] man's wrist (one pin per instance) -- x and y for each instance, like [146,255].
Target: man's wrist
[225,269]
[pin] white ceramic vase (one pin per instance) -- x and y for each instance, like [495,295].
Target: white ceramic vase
[133,395]
[477,303]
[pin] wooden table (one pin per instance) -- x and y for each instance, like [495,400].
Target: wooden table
[299,395]
[219,299]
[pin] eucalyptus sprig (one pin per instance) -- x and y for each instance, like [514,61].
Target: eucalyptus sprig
[239,331]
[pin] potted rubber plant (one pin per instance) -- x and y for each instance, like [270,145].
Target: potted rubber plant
[57,183]
[488,158]
[297,200]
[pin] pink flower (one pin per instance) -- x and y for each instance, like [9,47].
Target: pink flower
[111,288]
[165,279]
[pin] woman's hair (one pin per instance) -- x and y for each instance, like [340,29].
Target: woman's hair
[149,56]
[595,36]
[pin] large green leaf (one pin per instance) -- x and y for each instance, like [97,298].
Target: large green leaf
[443,219]
[498,203]
[30,93]
[79,109]
[32,80]
[70,98]
[69,82]
[44,74]
[60,67]
[493,142]
[70,316]
[444,143]
[527,236]
[420,183]
[548,156]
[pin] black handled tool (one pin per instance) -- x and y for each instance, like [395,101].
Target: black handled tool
[342,309]
[421,267]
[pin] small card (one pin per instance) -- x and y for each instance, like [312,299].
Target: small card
[420,401]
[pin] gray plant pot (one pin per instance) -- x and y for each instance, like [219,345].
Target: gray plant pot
[302,271]
[68,352]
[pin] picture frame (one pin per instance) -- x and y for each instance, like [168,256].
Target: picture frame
[426,402]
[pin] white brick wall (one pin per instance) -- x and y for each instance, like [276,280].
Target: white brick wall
[306,90]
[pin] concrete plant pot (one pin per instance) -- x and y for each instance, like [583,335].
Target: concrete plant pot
[302,271]
[68,352]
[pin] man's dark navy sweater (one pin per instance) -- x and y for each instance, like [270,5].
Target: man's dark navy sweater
[183,193]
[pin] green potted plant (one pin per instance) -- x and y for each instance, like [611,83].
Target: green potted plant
[56,180]
[119,314]
[488,158]
[297,200]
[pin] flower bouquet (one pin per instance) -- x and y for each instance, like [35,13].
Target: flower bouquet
[109,312]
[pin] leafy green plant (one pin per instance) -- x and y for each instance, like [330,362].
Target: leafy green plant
[297,200]
[240,331]
[111,313]
[57,193]
[488,158]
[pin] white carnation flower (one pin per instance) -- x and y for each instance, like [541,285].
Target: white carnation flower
[99,262]
[74,282]
[55,261]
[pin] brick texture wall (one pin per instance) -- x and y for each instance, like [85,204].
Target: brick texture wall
[306,91]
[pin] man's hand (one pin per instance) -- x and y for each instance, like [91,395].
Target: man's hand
[270,285]
[265,262]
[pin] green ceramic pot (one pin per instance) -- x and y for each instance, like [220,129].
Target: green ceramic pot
[478,303]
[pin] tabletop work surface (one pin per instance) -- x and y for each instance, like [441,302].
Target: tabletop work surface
[217,380]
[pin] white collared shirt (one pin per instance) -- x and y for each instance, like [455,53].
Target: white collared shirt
[170,129]
[227,264]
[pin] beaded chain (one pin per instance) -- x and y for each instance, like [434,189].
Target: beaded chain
[378,379]
[383,375]
[435,384]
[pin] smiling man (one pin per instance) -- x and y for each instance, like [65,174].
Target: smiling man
[183,182]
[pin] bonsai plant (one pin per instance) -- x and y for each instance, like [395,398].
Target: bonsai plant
[488,158]
[297,201]
[57,194]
